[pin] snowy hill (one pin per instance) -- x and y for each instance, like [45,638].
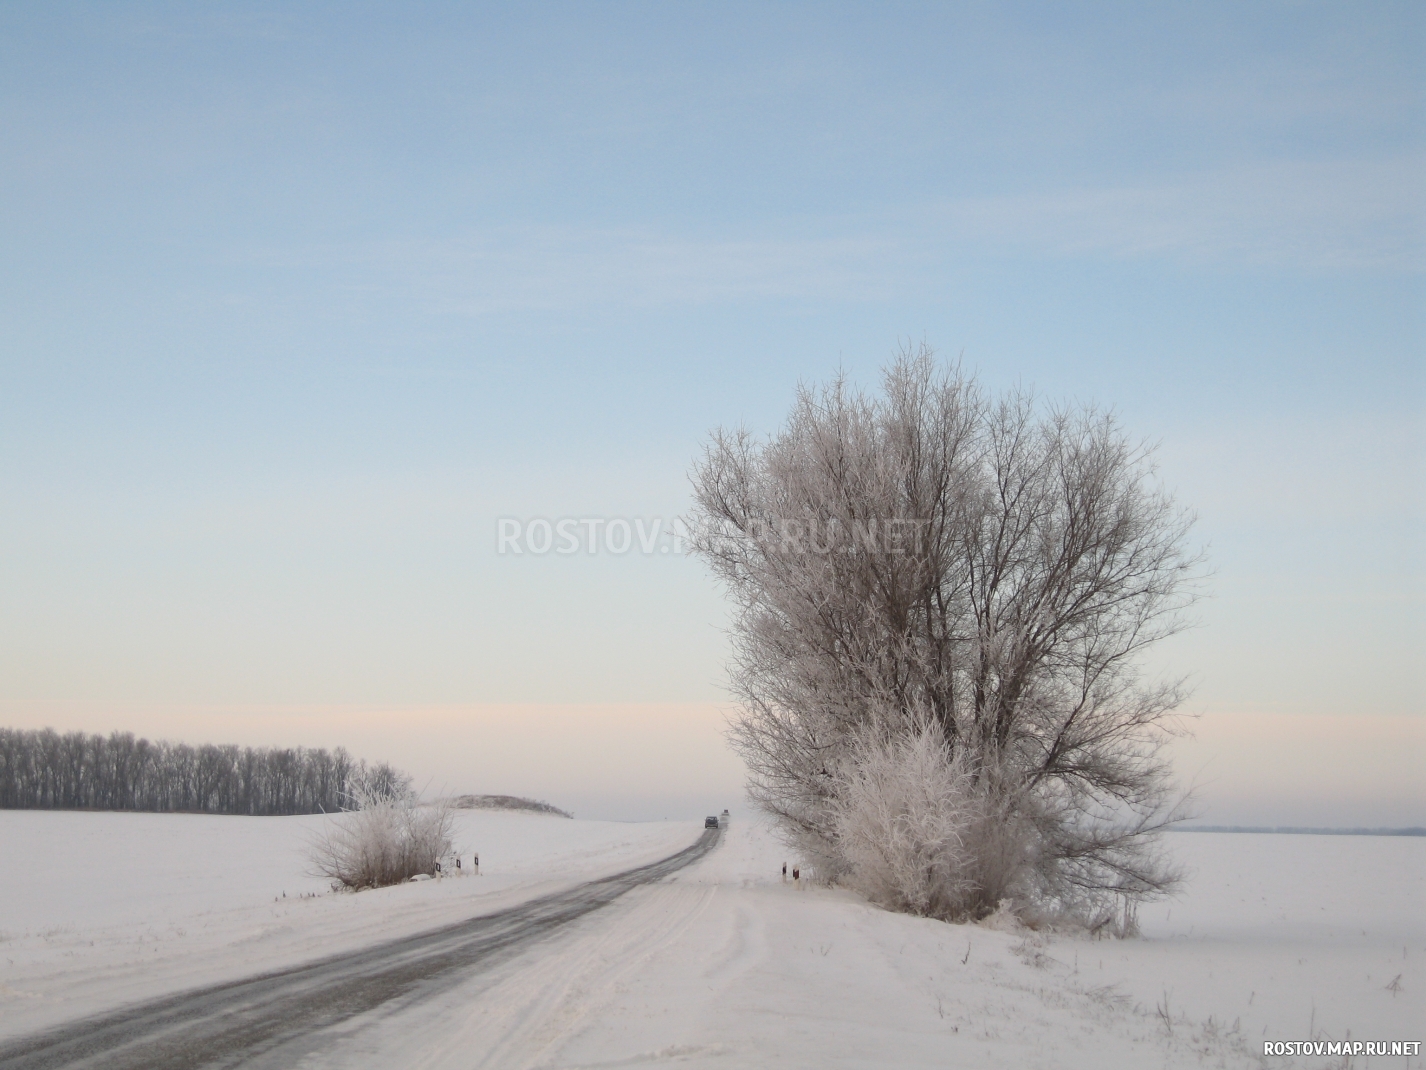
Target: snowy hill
[506,802]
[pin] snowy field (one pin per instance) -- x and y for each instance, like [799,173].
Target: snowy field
[1278,938]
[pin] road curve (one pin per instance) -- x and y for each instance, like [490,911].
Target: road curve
[244,1022]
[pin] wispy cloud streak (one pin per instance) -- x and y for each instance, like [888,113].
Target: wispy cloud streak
[1329,217]
[1320,216]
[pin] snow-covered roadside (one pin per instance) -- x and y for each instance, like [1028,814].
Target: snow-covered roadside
[725,965]
[102,909]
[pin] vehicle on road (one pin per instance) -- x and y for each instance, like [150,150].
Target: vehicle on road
[711,822]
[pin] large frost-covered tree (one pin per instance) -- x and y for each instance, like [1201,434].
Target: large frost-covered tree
[936,566]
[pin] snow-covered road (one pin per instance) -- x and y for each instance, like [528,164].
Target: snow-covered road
[272,1020]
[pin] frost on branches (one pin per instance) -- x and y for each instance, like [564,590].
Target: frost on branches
[942,596]
[385,837]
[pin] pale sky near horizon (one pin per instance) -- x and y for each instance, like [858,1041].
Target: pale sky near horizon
[300,300]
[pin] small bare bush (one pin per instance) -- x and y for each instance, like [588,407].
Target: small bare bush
[383,839]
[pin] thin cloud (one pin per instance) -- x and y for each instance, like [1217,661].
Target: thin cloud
[1344,216]
[1325,216]
[550,269]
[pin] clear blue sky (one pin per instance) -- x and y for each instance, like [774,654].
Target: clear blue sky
[298,299]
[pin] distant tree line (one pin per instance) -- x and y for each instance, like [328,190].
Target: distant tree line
[41,769]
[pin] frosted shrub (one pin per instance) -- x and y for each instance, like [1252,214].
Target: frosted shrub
[915,832]
[999,838]
[383,839]
[902,819]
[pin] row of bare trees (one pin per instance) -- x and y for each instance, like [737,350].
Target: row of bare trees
[943,596]
[41,769]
